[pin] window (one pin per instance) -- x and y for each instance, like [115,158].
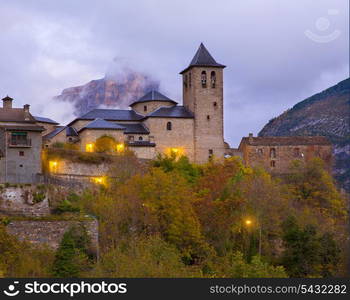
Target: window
[211,153]
[131,138]
[21,153]
[212,79]
[273,164]
[215,104]
[260,151]
[204,79]
[19,138]
[145,108]
[273,153]
[21,166]
[168,126]
[208,117]
[140,138]
[296,152]
[185,81]
[190,79]
[70,139]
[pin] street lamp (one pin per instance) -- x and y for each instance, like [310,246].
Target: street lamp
[248,223]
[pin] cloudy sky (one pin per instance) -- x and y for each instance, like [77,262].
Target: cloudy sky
[277,52]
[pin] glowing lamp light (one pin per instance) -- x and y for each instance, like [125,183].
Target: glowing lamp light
[176,151]
[248,222]
[53,166]
[98,180]
[120,147]
[89,147]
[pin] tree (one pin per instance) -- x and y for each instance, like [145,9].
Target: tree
[307,254]
[72,256]
[237,267]
[145,257]
[105,144]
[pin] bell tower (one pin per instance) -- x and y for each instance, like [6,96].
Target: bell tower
[203,96]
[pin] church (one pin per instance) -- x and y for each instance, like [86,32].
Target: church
[157,124]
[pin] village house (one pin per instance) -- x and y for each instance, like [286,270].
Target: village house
[275,154]
[20,144]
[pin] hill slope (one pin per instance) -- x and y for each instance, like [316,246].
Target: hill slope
[327,114]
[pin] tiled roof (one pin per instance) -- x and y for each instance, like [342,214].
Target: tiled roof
[141,144]
[203,58]
[153,96]
[44,120]
[14,115]
[171,112]
[112,115]
[137,128]
[102,124]
[54,132]
[286,141]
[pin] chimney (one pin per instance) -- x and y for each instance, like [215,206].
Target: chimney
[7,102]
[26,112]
[251,137]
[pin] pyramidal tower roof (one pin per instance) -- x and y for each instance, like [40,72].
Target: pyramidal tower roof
[203,58]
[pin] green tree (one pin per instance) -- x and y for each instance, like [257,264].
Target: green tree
[307,254]
[72,256]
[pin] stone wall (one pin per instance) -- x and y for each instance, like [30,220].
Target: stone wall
[50,232]
[280,164]
[90,136]
[66,167]
[181,135]
[21,201]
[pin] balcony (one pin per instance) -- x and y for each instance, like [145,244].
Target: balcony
[19,143]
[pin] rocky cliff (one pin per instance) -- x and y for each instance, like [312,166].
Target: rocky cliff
[327,114]
[110,91]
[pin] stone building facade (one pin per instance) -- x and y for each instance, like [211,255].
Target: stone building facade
[157,124]
[275,154]
[20,144]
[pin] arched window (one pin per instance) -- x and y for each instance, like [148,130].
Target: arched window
[212,79]
[145,108]
[168,126]
[208,117]
[190,79]
[204,79]
[273,164]
[215,104]
[273,153]
[185,81]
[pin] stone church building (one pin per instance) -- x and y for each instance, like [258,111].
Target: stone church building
[157,124]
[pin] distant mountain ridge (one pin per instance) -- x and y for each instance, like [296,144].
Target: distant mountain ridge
[326,114]
[110,91]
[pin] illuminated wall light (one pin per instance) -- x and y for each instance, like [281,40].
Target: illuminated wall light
[120,147]
[99,180]
[178,151]
[53,166]
[89,147]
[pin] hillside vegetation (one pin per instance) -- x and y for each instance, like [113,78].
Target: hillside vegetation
[176,219]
